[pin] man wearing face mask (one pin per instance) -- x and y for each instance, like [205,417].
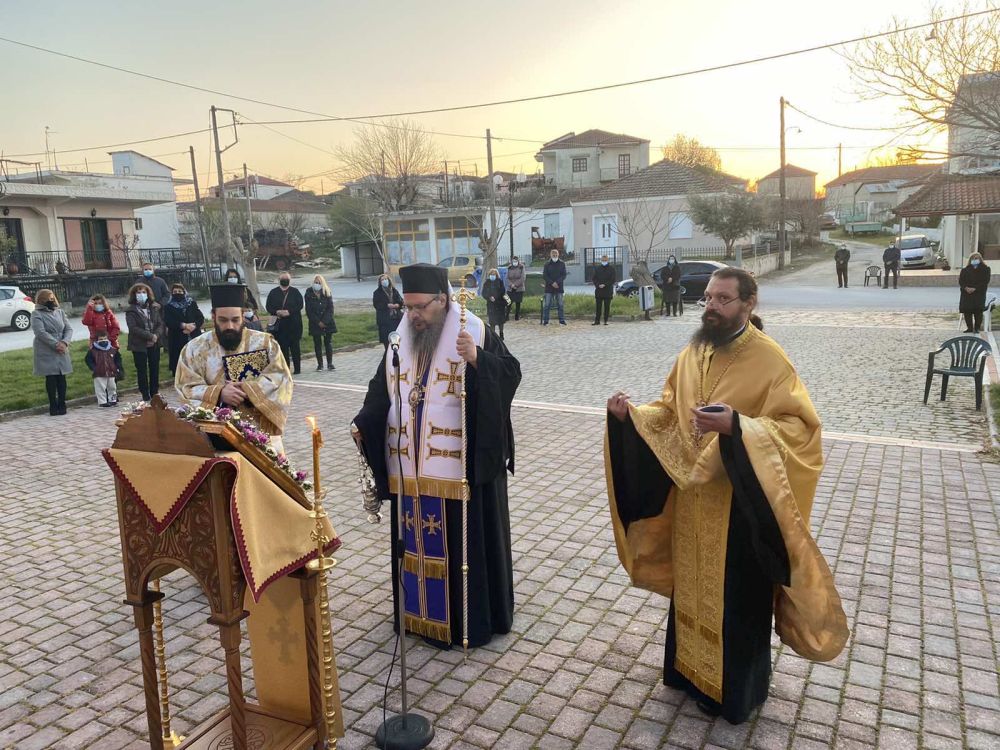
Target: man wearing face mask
[496,301]
[604,289]
[554,275]
[236,366]
[285,304]
[161,292]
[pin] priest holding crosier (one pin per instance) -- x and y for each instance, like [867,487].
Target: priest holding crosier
[411,433]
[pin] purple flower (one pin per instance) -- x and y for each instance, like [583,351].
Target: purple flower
[223,413]
[281,460]
[300,475]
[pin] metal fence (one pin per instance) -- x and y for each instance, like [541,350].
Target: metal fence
[617,256]
[77,288]
[46,262]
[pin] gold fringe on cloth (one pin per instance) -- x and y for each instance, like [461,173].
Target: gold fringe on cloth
[431,629]
[432,568]
[449,489]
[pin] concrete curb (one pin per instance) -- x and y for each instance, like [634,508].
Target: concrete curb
[9,416]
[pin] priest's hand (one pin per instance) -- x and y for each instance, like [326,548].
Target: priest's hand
[466,348]
[714,421]
[233,395]
[618,405]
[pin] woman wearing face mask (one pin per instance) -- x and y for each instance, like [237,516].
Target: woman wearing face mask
[98,316]
[496,302]
[182,319]
[973,280]
[233,277]
[285,303]
[388,306]
[604,290]
[319,311]
[51,348]
[515,285]
[670,286]
[145,333]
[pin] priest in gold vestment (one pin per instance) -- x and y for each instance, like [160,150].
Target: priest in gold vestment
[710,489]
[236,366]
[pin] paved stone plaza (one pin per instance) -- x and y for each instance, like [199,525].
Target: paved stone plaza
[906,513]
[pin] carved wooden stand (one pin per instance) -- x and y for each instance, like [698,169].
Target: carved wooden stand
[200,540]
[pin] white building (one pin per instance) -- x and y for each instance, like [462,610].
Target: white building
[800,184]
[261,188]
[156,226]
[591,158]
[870,194]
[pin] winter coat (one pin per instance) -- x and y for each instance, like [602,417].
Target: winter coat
[176,315]
[104,363]
[515,278]
[142,327]
[891,256]
[161,292]
[670,283]
[496,305]
[51,327]
[604,275]
[319,309]
[386,319]
[554,274]
[95,320]
[842,256]
[974,277]
[289,298]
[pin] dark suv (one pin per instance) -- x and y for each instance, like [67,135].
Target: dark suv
[694,278]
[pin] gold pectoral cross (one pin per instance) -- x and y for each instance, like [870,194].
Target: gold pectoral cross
[409,521]
[453,378]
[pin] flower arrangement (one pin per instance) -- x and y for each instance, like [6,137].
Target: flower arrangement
[250,432]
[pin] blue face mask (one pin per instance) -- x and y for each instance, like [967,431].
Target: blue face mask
[385,283]
[974,262]
[317,287]
[493,277]
[147,273]
[141,298]
[102,345]
[98,308]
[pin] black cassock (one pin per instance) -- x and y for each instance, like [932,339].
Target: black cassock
[756,560]
[490,388]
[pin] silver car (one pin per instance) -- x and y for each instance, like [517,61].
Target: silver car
[917,251]
[15,308]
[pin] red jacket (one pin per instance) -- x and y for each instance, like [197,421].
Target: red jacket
[107,320]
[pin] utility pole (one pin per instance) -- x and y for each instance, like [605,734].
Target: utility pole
[510,218]
[201,223]
[840,159]
[492,247]
[222,188]
[447,195]
[246,188]
[781,193]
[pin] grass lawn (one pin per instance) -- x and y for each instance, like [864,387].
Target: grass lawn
[995,402]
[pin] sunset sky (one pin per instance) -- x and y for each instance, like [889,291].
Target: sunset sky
[373,57]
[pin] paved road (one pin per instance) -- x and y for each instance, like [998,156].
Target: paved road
[906,513]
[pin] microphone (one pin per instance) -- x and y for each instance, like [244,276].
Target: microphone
[394,341]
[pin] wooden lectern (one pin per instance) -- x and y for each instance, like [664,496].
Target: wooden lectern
[200,540]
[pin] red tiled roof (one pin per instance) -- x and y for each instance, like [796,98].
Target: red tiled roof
[592,137]
[884,174]
[258,180]
[790,171]
[954,194]
[665,178]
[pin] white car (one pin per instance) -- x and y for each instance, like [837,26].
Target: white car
[916,251]
[15,308]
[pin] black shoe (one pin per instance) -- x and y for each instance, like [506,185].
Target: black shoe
[61,410]
[709,709]
[329,366]
[319,367]
[596,323]
[968,330]
[605,322]
[297,371]
[839,286]
[562,322]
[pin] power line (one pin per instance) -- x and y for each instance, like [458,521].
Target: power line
[834,125]
[115,145]
[518,100]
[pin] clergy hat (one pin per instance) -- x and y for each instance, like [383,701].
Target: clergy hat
[423,278]
[228,295]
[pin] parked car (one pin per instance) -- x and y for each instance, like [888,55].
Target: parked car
[463,269]
[828,221]
[917,251]
[15,308]
[694,278]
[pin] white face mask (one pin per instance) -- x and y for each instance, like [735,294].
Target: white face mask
[555,258]
[514,262]
[141,298]
[248,315]
[604,263]
[975,262]
[385,283]
[317,287]
[232,280]
[493,277]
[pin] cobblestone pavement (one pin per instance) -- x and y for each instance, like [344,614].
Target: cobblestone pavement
[911,533]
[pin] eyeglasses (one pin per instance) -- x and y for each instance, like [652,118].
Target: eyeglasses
[719,301]
[419,308]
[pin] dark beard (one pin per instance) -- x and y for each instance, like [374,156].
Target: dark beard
[715,331]
[231,340]
[425,342]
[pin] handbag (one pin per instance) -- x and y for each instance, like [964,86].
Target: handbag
[272,327]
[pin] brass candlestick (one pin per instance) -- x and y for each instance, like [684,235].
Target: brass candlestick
[170,738]
[321,564]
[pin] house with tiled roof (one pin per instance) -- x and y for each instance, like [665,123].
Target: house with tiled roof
[261,187]
[969,207]
[648,209]
[871,193]
[800,183]
[591,158]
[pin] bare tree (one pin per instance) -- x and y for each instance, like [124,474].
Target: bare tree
[351,217]
[291,222]
[691,153]
[948,78]
[388,161]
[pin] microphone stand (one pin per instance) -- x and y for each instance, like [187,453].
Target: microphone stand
[405,731]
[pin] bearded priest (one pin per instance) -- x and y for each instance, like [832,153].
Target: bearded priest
[711,488]
[411,433]
[236,366]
